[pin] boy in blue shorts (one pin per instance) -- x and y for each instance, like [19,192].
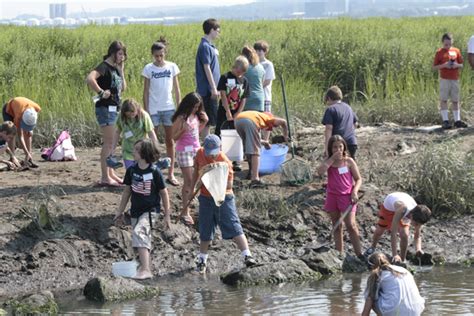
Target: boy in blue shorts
[211,215]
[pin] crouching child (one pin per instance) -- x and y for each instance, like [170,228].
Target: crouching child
[211,215]
[146,189]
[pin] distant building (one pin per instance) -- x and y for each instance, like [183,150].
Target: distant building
[57,10]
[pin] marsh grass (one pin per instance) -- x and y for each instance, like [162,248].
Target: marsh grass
[264,204]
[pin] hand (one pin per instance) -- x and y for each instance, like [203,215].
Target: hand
[396,258]
[167,221]
[10,164]
[419,253]
[229,116]
[338,155]
[118,219]
[354,197]
[15,161]
[27,159]
[106,94]
[214,93]
[266,144]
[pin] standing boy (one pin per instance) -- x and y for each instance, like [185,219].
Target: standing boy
[208,71]
[339,119]
[211,215]
[396,213]
[448,60]
[24,114]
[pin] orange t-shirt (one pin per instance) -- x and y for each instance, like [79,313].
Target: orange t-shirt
[262,120]
[444,55]
[18,105]
[202,160]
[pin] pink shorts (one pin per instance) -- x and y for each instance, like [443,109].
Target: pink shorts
[338,203]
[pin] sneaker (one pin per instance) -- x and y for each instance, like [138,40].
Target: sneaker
[236,166]
[163,163]
[250,261]
[113,163]
[460,124]
[201,266]
[446,125]
[369,252]
[256,184]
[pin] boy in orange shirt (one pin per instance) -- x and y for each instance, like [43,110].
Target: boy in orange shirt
[448,60]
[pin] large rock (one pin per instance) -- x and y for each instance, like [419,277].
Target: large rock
[290,270]
[353,264]
[121,239]
[326,261]
[103,289]
[36,304]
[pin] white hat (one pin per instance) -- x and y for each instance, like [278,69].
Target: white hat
[28,120]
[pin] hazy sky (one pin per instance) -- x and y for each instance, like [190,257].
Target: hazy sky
[13,8]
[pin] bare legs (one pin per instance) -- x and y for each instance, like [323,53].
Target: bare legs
[170,152]
[187,190]
[352,229]
[108,174]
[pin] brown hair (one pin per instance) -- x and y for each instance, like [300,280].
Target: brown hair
[261,45]
[421,214]
[114,47]
[131,105]
[148,150]
[209,25]
[334,93]
[377,263]
[8,128]
[251,55]
[159,44]
[242,63]
[333,139]
[447,36]
[186,106]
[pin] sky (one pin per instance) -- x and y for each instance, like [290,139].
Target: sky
[12,8]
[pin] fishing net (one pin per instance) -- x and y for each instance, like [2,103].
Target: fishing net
[295,172]
[215,181]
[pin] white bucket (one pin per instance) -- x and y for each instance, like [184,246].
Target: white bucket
[232,145]
[126,269]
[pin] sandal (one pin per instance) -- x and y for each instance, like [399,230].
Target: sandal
[187,220]
[173,182]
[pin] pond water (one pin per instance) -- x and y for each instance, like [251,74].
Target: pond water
[447,291]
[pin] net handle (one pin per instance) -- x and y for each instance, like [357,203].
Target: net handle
[283,90]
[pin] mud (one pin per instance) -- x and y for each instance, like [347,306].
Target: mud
[80,242]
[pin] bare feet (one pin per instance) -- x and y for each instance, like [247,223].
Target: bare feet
[143,275]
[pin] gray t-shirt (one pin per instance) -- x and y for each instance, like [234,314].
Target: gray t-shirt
[342,119]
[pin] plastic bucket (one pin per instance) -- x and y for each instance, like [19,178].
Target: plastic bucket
[126,269]
[232,144]
[271,159]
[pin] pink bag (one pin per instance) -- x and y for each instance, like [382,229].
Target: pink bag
[61,150]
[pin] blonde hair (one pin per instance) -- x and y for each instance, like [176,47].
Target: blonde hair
[378,262]
[242,63]
[131,105]
[251,55]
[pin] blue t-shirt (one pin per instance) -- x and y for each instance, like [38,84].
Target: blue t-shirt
[342,119]
[256,99]
[206,54]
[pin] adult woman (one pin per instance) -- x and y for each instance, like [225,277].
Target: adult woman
[255,74]
[108,81]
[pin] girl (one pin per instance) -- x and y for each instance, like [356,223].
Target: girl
[255,75]
[146,188]
[108,81]
[344,182]
[189,119]
[391,290]
[161,78]
[133,124]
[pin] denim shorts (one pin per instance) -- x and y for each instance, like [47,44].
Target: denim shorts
[225,216]
[162,118]
[106,117]
[210,105]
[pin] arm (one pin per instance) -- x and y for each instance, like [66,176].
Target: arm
[178,128]
[23,145]
[357,179]
[92,83]
[120,68]
[325,165]
[152,136]
[241,107]
[225,104]
[399,210]
[279,122]
[470,58]
[367,306]
[327,135]
[210,79]
[127,192]
[417,237]
[177,90]
[166,205]
[203,119]
[266,82]
[195,174]
[146,94]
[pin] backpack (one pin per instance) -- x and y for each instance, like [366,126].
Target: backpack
[61,150]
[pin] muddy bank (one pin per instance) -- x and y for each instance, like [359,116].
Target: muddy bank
[82,243]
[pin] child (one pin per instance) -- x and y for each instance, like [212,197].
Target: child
[339,119]
[211,215]
[255,75]
[188,121]
[146,188]
[262,47]
[391,290]
[24,113]
[234,90]
[395,214]
[161,79]
[448,60]
[133,125]
[7,134]
[343,185]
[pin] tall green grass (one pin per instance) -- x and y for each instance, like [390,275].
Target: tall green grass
[382,65]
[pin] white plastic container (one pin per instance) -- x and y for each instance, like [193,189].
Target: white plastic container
[232,144]
[126,269]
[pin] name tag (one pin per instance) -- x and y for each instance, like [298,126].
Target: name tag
[147,176]
[343,170]
[188,148]
[231,82]
[128,134]
[112,108]
[217,51]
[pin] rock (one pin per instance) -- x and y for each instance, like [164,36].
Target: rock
[276,272]
[42,303]
[326,262]
[104,289]
[425,259]
[121,239]
[353,264]
[178,236]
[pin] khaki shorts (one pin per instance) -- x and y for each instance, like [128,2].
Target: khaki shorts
[449,90]
[141,234]
[250,135]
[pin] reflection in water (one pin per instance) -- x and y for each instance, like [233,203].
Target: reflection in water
[448,291]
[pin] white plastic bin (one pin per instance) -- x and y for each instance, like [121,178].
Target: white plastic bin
[232,145]
[126,269]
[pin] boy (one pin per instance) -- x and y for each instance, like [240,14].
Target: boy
[395,215]
[211,215]
[339,119]
[208,71]
[448,60]
[24,113]
[7,134]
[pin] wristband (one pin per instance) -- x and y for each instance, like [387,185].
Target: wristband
[101,93]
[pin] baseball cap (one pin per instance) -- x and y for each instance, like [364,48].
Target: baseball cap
[28,119]
[212,145]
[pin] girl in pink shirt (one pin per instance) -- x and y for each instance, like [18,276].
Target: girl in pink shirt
[188,120]
[343,185]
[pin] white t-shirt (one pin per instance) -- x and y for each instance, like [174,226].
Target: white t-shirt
[161,86]
[392,198]
[269,75]
[470,45]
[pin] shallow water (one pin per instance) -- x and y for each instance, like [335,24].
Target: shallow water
[447,291]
